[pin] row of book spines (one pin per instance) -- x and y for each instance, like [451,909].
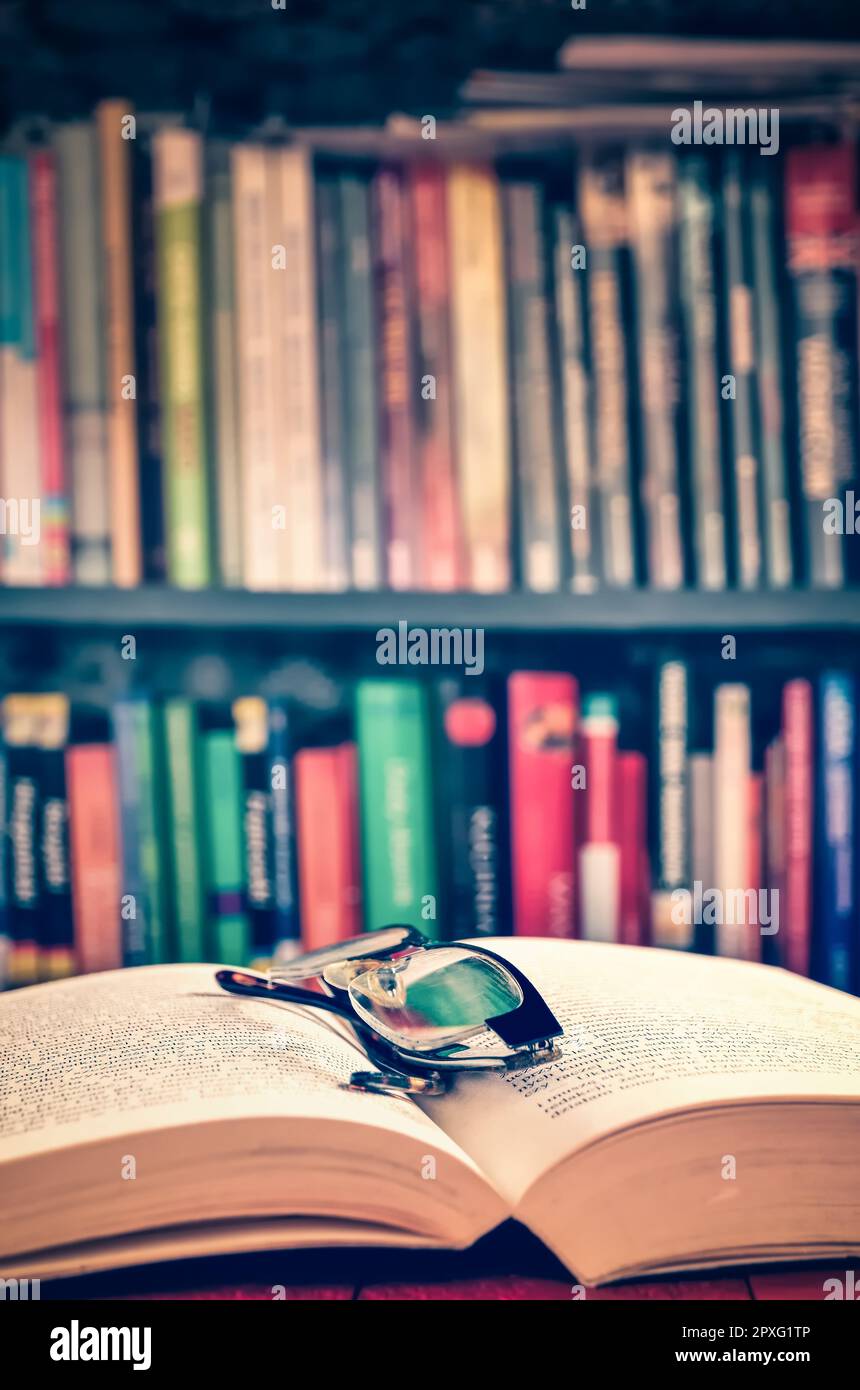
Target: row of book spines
[171,843]
[254,831]
[277,451]
[467,269]
[788,828]
[580,867]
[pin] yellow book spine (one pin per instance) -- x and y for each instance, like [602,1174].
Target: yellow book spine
[479,326]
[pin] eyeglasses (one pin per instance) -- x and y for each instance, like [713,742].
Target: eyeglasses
[423,1011]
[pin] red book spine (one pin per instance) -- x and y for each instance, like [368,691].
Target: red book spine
[442,566]
[329,858]
[821,219]
[399,383]
[542,711]
[632,817]
[55,519]
[94,844]
[755,861]
[796,911]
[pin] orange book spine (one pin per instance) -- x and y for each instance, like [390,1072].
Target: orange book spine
[329,860]
[115,149]
[94,843]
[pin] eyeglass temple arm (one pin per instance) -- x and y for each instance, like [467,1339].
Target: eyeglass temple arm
[250,985]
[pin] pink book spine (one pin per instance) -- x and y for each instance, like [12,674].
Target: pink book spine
[55,518]
[755,860]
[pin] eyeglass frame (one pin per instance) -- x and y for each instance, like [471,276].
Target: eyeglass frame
[528,1030]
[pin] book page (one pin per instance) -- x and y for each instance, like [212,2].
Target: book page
[648,1032]
[135,1050]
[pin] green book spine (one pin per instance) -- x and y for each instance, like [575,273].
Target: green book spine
[152,828]
[222,781]
[178,188]
[396,807]
[184,802]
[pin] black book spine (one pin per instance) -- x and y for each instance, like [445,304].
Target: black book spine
[251,718]
[57,929]
[146,356]
[822,256]
[470,741]
[20,716]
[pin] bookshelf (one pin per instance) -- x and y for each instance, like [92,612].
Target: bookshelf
[210,647]
[802,614]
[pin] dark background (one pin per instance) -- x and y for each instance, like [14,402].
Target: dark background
[332,60]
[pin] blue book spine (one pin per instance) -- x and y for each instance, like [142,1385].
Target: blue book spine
[287,925]
[132,885]
[836,829]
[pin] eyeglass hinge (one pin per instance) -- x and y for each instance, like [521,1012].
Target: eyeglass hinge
[392,1083]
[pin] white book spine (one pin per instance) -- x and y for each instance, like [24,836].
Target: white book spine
[264,502]
[732,759]
[297,373]
[600,891]
[21,469]
[701,775]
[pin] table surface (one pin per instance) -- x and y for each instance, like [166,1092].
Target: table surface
[510,1264]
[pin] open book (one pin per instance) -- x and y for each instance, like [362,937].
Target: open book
[702,1112]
